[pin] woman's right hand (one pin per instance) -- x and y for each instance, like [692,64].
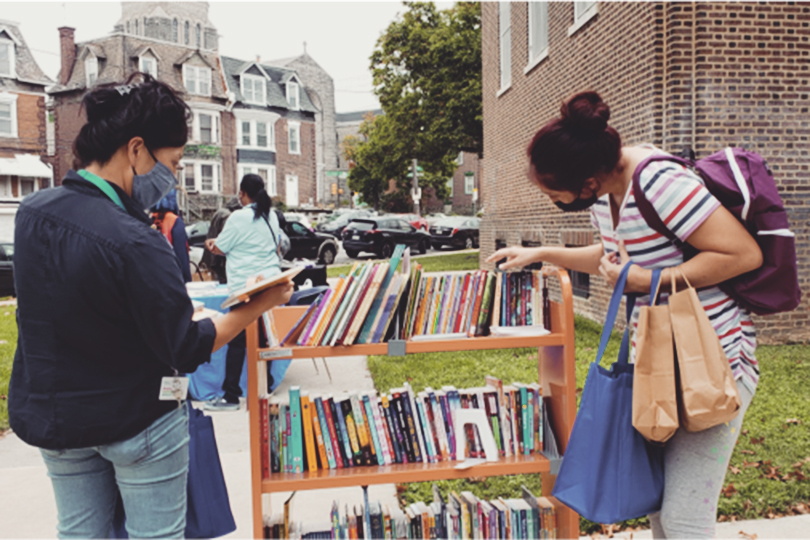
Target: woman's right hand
[516,257]
[275,296]
[210,244]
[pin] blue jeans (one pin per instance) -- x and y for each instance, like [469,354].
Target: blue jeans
[149,469]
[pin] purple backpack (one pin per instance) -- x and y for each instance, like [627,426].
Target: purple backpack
[743,183]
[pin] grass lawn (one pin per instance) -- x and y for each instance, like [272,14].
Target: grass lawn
[467,260]
[768,466]
[8,344]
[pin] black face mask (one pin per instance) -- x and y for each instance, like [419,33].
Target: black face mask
[578,204]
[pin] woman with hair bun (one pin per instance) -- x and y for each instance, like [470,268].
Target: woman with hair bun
[250,243]
[578,161]
[105,322]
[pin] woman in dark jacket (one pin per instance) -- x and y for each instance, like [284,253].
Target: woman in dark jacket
[105,321]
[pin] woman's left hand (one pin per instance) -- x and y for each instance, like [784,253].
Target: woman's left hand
[611,264]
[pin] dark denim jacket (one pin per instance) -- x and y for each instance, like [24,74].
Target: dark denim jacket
[103,315]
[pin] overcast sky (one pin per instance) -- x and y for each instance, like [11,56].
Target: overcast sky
[340,36]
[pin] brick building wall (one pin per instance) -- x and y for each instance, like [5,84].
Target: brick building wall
[723,74]
[30,127]
[68,120]
[302,165]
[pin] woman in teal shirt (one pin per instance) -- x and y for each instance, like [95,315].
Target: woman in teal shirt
[249,242]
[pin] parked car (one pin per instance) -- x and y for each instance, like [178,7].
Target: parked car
[380,234]
[457,231]
[7,270]
[434,217]
[335,227]
[299,218]
[417,221]
[196,233]
[307,244]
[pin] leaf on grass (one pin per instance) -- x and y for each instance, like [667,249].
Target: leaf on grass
[747,452]
[752,536]
[747,464]
[801,509]
[734,470]
[745,432]
[729,491]
[772,473]
[755,440]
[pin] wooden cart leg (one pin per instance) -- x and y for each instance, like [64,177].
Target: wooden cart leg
[254,421]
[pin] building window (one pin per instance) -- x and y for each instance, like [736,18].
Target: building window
[469,185]
[206,178]
[27,186]
[538,33]
[128,28]
[583,12]
[207,134]
[189,180]
[197,80]
[186,33]
[253,89]
[261,134]
[148,65]
[206,127]
[294,129]
[5,186]
[246,139]
[267,172]
[175,36]
[8,115]
[91,69]
[505,25]
[450,183]
[137,28]
[7,58]
[293,97]
[144,26]
[198,35]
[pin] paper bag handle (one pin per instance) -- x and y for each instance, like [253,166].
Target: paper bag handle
[672,278]
[655,285]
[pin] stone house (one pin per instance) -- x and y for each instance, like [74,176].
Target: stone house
[274,129]
[700,74]
[22,121]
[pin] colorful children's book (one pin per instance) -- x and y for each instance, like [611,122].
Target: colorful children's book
[317,431]
[334,432]
[295,444]
[299,326]
[369,415]
[309,438]
[380,272]
[324,300]
[327,440]
[386,309]
[363,433]
[363,337]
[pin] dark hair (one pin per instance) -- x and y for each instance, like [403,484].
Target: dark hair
[117,112]
[253,186]
[576,146]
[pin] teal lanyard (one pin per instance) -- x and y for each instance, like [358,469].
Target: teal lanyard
[103,185]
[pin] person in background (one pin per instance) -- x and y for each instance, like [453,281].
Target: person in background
[104,320]
[249,242]
[578,161]
[216,263]
[167,221]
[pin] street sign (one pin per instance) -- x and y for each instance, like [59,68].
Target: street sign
[416,194]
[339,174]
[475,194]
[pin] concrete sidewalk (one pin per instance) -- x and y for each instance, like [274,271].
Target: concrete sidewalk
[29,510]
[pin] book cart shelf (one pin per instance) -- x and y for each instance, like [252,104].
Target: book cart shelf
[556,376]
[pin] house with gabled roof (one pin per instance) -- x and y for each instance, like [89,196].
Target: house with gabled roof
[274,129]
[22,120]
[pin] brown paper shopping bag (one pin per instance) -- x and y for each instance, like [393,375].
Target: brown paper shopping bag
[709,394]
[655,402]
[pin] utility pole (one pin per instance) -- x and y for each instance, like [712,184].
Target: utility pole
[416,193]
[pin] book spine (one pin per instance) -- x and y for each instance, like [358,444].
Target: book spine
[318,435]
[265,450]
[340,419]
[439,426]
[491,410]
[334,433]
[420,436]
[402,427]
[375,305]
[327,441]
[486,306]
[296,436]
[381,431]
[309,440]
[431,422]
[351,428]
[285,438]
[448,422]
[393,432]
[430,452]
[546,305]
[538,421]
[412,434]
[275,436]
[392,455]
[524,420]
[363,435]
[369,413]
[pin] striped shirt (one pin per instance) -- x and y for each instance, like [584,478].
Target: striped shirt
[683,203]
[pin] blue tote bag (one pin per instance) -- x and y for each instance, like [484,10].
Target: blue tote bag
[208,514]
[609,472]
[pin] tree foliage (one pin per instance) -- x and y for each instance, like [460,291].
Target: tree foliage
[426,70]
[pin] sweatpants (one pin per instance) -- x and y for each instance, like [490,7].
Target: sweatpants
[695,467]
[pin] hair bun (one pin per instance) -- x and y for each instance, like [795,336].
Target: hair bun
[586,113]
[102,103]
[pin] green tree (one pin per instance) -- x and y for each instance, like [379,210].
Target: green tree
[426,70]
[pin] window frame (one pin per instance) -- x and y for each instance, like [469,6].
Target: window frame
[469,184]
[504,47]
[11,100]
[175,30]
[12,58]
[198,35]
[197,165]
[270,183]
[542,26]
[292,84]
[90,60]
[297,127]
[254,134]
[197,71]
[143,59]
[582,14]
[186,33]
[253,79]
[216,127]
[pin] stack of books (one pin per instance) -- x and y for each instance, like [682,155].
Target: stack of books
[380,301]
[311,432]
[458,516]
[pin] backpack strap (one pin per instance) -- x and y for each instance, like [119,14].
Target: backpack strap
[272,232]
[645,207]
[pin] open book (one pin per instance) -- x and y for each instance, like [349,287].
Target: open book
[245,293]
